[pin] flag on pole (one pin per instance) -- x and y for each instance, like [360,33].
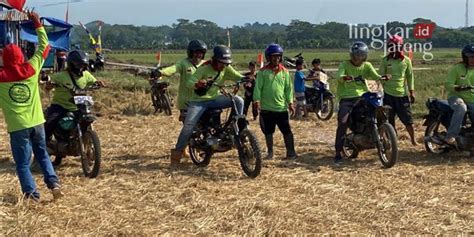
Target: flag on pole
[158,58]
[17,4]
[260,59]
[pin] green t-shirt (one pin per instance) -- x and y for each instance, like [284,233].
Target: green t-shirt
[402,74]
[20,100]
[206,71]
[353,89]
[459,75]
[63,94]
[274,89]
[186,70]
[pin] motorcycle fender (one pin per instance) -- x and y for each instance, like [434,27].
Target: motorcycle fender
[328,94]
[429,119]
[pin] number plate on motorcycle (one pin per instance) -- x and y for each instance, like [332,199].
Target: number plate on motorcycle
[78,100]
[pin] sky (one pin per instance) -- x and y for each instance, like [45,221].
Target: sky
[226,13]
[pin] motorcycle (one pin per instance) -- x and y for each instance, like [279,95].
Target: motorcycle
[211,135]
[369,128]
[437,122]
[320,100]
[160,96]
[291,62]
[75,135]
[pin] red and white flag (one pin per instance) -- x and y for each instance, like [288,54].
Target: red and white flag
[17,4]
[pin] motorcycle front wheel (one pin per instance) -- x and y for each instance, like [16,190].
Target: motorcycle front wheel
[250,155]
[166,103]
[91,154]
[435,130]
[327,109]
[387,146]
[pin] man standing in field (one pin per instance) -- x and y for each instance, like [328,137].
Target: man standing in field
[21,105]
[186,68]
[400,69]
[273,95]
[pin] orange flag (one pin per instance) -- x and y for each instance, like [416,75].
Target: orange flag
[260,59]
[158,57]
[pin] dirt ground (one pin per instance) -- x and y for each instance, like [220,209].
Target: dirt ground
[136,193]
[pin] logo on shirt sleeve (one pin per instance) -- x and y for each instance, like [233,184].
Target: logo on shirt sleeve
[19,93]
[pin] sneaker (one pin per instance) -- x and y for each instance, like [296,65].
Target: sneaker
[32,196]
[338,160]
[56,191]
[450,140]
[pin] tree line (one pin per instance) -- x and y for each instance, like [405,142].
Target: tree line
[297,34]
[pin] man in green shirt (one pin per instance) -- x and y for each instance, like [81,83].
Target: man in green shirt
[64,83]
[348,91]
[273,96]
[21,105]
[185,67]
[400,69]
[216,71]
[460,96]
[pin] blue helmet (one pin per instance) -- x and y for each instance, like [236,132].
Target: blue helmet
[273,49]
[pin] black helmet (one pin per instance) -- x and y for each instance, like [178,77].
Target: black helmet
[196,45]
[222,54]
[359,49]
[467,52]
[77,60]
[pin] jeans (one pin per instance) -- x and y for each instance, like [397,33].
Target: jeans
[195,111]
[459,111]
[23,143]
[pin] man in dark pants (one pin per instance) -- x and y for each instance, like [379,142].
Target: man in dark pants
[273,95]
[249,86]
[396,94]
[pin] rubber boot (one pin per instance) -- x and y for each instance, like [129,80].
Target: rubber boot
[186,153]
[175,158]
[290,146]
[269,141]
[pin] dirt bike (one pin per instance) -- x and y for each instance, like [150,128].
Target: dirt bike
[320,101]
[74,135]
[160,96]
[211,135]
[437,123]
[98,64]
[369,129]
[291,62]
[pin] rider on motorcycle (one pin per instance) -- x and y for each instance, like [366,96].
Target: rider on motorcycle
[64,83]
[205,96]
[186,68]
[349,91]
[395,90]
[460,98]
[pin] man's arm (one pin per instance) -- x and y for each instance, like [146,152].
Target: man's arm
[42,50]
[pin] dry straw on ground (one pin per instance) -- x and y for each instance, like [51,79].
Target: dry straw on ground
[136,193]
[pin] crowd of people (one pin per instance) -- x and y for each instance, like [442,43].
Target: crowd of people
[270,93]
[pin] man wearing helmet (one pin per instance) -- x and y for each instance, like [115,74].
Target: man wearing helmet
[460,96]
[349,91]
[21,106]
[273,96]
[396,95]
[205,96]
[75,75]
[186,68]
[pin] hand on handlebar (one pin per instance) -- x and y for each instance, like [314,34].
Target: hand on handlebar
[100,83]
[155,73]
[201,84]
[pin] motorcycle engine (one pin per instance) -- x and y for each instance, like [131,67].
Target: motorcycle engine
[219,144]
[363,141]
